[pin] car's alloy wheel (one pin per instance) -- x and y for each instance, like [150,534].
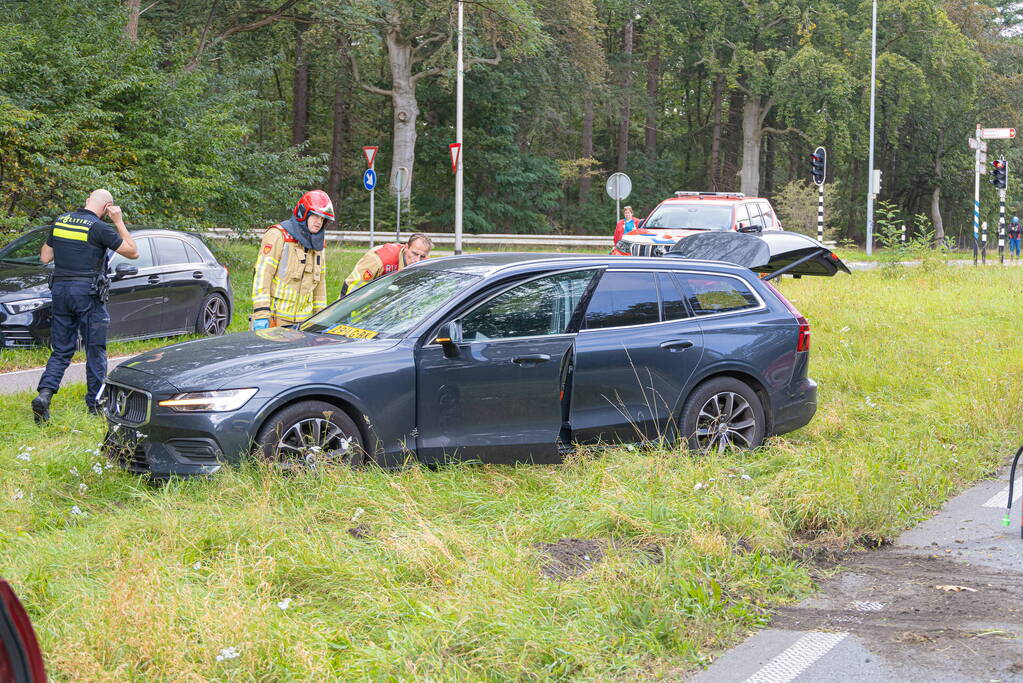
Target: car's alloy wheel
[213,318]
[721,413]
[310,433]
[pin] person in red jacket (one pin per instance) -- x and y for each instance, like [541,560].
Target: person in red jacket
[387,258]
[625,225]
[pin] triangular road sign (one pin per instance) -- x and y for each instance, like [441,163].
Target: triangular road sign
[371,154]
[456,152]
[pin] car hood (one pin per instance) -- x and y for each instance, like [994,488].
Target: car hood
[22,281]
[659,235]
[773,253]
[212,363]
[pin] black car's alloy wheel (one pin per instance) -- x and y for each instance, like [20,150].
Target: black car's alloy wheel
[309,433]
[213,317]
[723,412]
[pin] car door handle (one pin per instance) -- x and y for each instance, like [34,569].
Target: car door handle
[197,274]
[153,279]
[676,344]
[531,359]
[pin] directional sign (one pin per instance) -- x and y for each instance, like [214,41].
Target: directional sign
[975,144]
[619,186]
[369,179]
[371,154]
[456,152]
[996,133]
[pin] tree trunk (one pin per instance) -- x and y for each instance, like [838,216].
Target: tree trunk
[653,82]
[714,170]
[752,134]
[405,105]
[339,145]
[131,30]
[623,124]
[300,93]
[939,225]
[586,180]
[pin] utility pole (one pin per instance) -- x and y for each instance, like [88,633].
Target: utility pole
[870,164]
[458,133]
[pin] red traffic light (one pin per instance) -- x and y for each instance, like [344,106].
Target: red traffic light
[998,164]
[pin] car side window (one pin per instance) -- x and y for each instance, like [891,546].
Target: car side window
[710,294]
[765,210]
[537,308]
[755,217]
[170,251]
[145,259]
[193,255]
[672,305]
[741,215]
[623,299]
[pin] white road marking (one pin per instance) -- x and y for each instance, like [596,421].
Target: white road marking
[798,658]
[868,606]
[999,499]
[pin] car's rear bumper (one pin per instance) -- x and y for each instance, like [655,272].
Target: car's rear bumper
[795,408]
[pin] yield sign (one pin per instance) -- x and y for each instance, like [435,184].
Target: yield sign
[371,154]
[456,152]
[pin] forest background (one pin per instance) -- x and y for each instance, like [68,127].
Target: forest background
[218,113]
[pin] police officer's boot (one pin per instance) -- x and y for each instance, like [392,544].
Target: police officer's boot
[41,406]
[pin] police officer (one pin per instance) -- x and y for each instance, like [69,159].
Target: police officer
[77,245]
[290,279]
[387,258]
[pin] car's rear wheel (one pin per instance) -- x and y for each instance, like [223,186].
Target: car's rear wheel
[213,317]
[723,412]
[310,433]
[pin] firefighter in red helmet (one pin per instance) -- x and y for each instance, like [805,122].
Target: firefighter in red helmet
[290,282]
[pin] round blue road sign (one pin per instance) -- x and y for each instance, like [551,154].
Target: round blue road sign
[369,179]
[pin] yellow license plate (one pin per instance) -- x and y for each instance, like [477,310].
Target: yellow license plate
[351,332]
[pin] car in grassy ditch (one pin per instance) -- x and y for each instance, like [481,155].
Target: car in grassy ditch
[689,213]
[175,286]
[491,357]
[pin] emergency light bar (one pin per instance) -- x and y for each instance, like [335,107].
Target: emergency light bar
[690,193]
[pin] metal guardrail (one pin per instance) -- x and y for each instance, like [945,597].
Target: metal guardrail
[468,239]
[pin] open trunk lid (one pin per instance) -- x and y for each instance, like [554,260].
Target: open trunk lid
[772,253]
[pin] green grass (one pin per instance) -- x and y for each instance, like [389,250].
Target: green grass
[920,394]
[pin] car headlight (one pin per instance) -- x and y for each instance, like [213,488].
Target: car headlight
[24,305]
[209,401]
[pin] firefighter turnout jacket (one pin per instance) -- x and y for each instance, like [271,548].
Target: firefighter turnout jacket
[381,260]
[289,284]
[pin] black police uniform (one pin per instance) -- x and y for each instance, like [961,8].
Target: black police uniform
[79,286]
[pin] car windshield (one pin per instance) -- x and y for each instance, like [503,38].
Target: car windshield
[25,249]
[691,217]
[390,306]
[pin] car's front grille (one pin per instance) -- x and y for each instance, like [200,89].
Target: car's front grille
[16,338]
[126,405]
[125,449]
[640,249]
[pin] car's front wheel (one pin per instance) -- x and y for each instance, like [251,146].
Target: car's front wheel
[723,412]
[309,433]
[214,316]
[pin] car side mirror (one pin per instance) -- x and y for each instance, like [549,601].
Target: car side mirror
[756,227]
[448,336]
[124,270]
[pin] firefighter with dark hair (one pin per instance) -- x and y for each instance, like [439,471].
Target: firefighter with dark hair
[387,258]
[290,281]
[78,245]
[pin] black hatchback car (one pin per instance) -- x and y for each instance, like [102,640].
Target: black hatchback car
[496,357]
[175,286]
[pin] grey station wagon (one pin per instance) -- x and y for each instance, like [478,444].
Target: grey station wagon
[495,357]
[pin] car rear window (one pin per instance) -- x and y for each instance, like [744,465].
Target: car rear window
[708,294]
[622,299]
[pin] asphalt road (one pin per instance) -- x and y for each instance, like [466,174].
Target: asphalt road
[26,380]
[944,603]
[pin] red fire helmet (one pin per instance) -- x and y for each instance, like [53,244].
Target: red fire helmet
[317,202]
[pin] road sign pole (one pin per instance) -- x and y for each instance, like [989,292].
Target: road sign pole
[459,188]
[820,212]
[372,223]
[1001,226]
[870,164]
[983,243]
[976,189]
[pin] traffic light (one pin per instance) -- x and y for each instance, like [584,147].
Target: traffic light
[818,165]
[999,173]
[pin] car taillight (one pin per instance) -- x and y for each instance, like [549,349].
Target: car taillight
[227,270]
[803,341]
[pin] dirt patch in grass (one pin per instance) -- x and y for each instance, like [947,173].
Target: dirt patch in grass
[567,558]
[933,607]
